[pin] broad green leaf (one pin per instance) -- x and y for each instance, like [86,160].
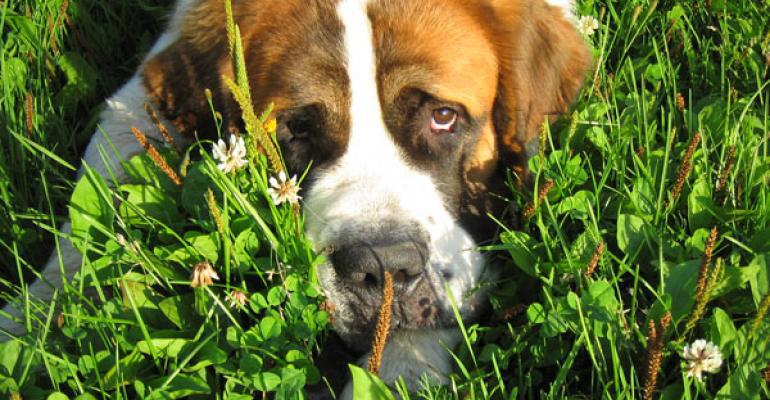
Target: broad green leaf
[200,246]
[760,283]
[577,206]
[292,382]
[630,233]
[266,381]
[182,386]
[742,384]
[643,196]
[520,246]
[9,354]
[163,347]
[760,243]
[141,169]
[682,279]
[276,296]
[144,201]
[536,313]
[209,354]
[722,329]
[250,363]
[196,184]
[598,137]
[8,385]
[368,386]
[269,328]
[700,204]
[125,372]
[81,81]
[246,245]
[91,210]
[177,309]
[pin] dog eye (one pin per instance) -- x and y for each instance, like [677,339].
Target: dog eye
[443,120]
[304,123]
[300,127]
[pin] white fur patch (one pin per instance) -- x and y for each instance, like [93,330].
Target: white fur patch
[567,6]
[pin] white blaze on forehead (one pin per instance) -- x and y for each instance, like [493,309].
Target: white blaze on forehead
[361,64]
[368,134]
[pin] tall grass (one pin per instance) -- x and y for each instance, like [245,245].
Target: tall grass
[647,228]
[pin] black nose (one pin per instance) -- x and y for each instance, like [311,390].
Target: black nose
[363,263]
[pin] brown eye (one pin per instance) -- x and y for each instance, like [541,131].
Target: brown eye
[444,119]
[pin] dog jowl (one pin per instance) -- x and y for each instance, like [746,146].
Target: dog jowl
[411,112]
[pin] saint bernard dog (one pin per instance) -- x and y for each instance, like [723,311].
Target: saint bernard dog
[411,112]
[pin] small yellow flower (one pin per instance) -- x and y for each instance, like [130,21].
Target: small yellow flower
[203,275]
[237,298]
[587,24]
[230,158]
[701,356]
[283,190]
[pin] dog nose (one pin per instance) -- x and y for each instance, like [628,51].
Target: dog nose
[363,264]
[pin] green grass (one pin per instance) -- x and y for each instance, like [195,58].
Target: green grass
[554,331]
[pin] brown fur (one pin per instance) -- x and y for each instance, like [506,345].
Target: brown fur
[543,65]
[283,67]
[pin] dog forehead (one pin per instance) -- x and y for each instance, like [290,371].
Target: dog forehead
[440,47]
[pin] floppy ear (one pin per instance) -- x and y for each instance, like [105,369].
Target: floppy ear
[543,61]
[176,77]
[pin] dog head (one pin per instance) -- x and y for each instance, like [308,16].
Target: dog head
[409,111]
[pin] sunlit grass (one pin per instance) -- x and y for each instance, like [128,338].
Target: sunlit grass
[604,247]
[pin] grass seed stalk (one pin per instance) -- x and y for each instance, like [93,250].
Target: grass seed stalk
[155,156]
[383,325]
[655,344]
[684,169]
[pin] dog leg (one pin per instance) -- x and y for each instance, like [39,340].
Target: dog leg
[112,143]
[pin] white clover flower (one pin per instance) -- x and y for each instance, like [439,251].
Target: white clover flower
[282,190]
[588,25]
[237,298]
[203,275]
[701,356]
[230,158]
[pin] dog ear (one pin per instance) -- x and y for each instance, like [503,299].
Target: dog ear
[543,61]
[177,77]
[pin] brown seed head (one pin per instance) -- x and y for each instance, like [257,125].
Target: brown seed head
[705,265]
[161,127]
[764,307]
[595,259]
[383,325]
[680,102]
[655,344]
[155,156]
[684,169]
[29,112]
[726,170]
[529,210]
